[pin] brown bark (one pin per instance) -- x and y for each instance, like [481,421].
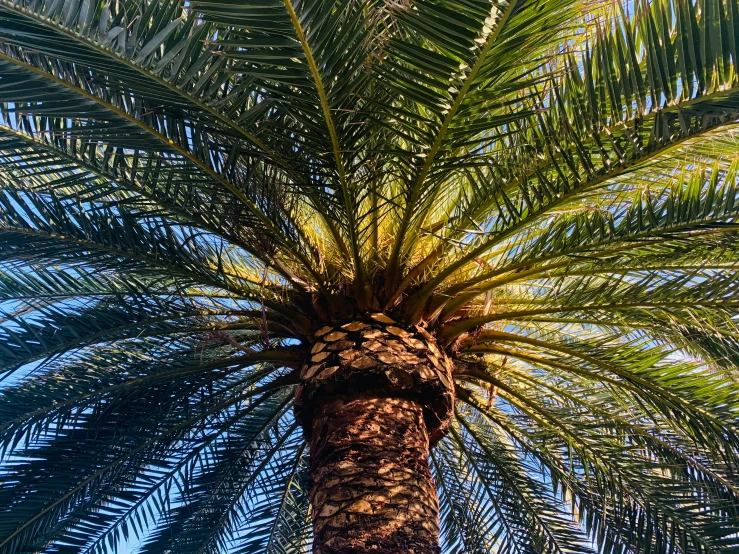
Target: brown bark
[372,400]
[372,490]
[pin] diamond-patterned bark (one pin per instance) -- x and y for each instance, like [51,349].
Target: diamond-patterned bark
[376,356]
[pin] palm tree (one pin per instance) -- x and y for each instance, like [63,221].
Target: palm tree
[372,276]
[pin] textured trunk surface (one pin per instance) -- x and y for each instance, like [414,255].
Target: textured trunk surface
[372,490]
[372,399]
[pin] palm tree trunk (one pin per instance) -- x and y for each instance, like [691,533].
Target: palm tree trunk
[372,400]
[372,489]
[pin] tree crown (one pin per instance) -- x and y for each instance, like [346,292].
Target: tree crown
[189,191]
